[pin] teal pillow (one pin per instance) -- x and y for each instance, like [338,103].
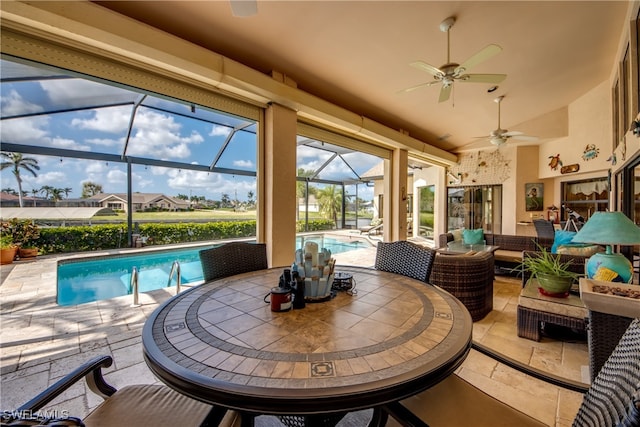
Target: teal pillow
[561,237]
[473,237]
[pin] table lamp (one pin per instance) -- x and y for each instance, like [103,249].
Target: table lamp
[609,228]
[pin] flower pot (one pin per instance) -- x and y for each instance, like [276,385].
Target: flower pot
[27,252]
[7,255]
[554,286]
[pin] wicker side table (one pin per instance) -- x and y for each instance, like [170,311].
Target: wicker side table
[535,308]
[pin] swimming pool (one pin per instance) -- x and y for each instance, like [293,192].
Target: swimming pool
[81,281]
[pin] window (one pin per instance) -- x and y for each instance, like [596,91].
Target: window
[331,182]
[82,129]
[585,197]
[426,211]
[475,207]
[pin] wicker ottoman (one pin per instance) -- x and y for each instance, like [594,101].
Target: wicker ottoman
[535,308]
[468,278]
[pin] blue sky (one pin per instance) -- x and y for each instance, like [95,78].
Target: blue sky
[95,117]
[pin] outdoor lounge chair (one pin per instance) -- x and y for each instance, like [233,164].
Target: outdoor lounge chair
[134,405]
[406,258]
[233,258]
[613,399]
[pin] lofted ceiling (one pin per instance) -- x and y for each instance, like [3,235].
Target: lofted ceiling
[356,54]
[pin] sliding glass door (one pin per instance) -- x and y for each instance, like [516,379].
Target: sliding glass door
[475,207]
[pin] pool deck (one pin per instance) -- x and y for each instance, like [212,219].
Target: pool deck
[41,341]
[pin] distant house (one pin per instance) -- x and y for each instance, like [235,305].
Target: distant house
[9,200]
[314,206]
[139,202]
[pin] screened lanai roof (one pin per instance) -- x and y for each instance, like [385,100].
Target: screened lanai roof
[53,112]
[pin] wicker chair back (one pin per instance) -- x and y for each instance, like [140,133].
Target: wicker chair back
[615,391]
[233,258]
[406,258]
[544,228]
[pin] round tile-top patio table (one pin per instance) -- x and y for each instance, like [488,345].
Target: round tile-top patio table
[220,343]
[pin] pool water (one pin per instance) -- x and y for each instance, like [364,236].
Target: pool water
[110,276]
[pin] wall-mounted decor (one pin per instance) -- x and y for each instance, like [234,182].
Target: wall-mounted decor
[555,162]
[534,193]
[590,152]
[570,168]
[481,168]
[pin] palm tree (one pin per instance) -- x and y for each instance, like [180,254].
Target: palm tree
[34,193]
[330,201]
[66,191]
[18,163]
[47,190]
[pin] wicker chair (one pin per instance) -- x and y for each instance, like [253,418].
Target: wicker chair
[612,398]
[406,258]
[233,258]
[468,278]
[134,405]
[544,228]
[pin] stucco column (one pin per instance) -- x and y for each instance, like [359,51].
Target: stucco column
[399,191]
[278,196]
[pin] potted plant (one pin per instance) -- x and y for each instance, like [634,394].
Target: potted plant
[554,276]
[24,234]
[7,249]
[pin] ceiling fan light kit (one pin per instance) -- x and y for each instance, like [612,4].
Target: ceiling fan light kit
[448,73]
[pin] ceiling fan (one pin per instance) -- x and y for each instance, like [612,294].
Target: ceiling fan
[500,136]
[243,8]
[451,71]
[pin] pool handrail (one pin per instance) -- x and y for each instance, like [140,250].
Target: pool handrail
[134,287]
[175,268]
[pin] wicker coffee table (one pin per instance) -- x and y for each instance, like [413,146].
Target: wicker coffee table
[535,308]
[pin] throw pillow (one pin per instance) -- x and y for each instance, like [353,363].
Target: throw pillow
[561,237]
[457,234]
[473,237]
[583,249]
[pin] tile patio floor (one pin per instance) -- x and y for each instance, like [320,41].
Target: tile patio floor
[40,342]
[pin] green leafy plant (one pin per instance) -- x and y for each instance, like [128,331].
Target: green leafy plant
[24,232]
[6,241]
[547,263]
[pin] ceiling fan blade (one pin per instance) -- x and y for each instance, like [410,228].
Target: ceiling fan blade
[445,92]
[427,67]
[512,133]
[525,138]
[483,55]
[243,8]
[482,78]
[412,88]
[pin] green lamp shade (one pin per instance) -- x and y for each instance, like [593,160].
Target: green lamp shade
[609,228]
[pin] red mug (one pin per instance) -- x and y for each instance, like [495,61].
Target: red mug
[281,299]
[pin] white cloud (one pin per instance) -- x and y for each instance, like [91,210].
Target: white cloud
[68,144]
[116,177]
[109,120]
[218,130]
[14,104]
[81,92]
[33,130]
[243,163]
